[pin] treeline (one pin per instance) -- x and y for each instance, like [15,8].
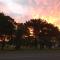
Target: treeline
[35,33]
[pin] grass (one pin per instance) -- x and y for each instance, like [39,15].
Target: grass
[31,49]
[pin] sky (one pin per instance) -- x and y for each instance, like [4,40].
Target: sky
[23,10]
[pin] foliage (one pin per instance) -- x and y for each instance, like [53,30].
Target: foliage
[44,34]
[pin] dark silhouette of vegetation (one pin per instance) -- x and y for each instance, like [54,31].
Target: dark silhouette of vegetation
[43,32]
[6,27]
[19,33]
[35,33]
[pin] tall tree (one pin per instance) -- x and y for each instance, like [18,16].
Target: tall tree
[6,25]
[43,31]
[19,35]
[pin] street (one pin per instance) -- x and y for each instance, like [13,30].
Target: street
[18,55]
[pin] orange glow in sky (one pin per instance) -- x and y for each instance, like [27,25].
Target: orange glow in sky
[31,31]
[49,19]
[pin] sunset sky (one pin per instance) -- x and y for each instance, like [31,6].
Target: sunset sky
[23,10]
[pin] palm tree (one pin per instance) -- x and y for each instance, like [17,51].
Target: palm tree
[36,25]
[43,32]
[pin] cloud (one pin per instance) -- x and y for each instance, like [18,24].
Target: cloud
[3,8]
[25,9]
[22,7]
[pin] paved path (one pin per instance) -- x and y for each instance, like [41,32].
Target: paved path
[17,55]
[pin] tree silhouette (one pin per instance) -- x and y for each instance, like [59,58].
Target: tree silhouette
[43,32]
[19,35]
[33,33]
[6,26]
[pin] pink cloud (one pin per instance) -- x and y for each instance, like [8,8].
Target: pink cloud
[4,9]
[31,8]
